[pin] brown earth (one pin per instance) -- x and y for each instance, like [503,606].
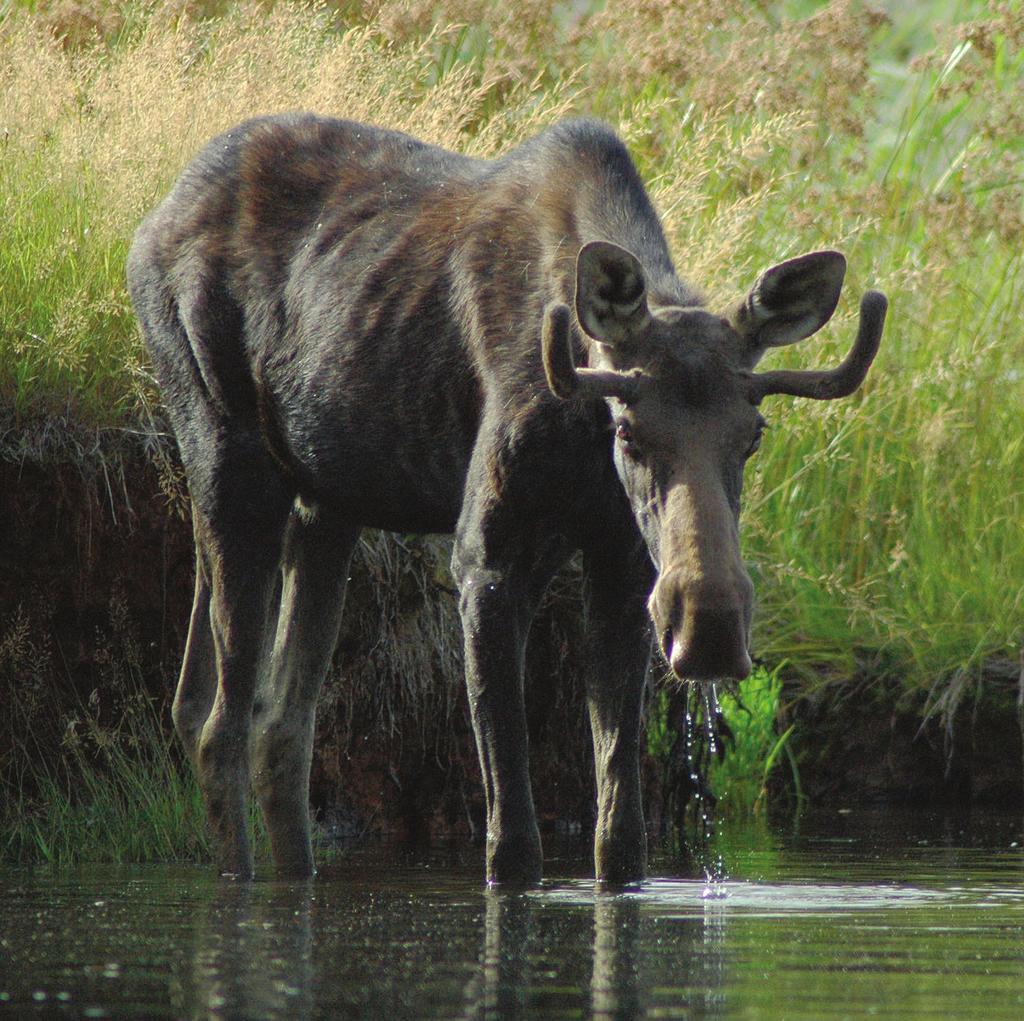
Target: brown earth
[98,571]
[869,740]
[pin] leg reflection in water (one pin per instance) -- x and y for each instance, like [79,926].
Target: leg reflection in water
[613,957]
[615,983]
[501,988]
[253,954]
[312,950]
[650,965]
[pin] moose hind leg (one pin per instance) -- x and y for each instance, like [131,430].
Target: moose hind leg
[242,515]
[197,681]
[314,569]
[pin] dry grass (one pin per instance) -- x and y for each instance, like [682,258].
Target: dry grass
[93,136]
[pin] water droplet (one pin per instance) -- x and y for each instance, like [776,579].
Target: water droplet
[714,890]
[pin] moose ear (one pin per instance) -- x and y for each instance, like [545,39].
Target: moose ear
[790,301]
[611,293]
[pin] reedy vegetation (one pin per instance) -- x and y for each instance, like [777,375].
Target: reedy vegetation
[882,530]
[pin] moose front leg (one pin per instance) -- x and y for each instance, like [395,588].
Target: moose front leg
[509,541]
[495,623]
[618,653]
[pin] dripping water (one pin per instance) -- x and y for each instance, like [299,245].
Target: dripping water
[701,733]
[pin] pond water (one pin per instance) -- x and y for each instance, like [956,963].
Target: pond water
[859,915]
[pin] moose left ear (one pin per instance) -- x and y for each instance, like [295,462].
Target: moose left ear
[611,293]
[790,301]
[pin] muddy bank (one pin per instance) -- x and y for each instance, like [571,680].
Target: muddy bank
[868,740]
[94,602]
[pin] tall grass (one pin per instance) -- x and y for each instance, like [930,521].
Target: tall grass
[885,530]
[890,525]
[119,795]
[120,791]
[93,136]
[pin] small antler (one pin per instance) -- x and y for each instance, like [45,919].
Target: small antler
[841,381]
[564,379]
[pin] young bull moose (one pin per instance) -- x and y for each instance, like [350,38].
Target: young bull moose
[352,328]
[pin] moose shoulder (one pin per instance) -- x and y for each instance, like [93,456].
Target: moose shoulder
[352,328]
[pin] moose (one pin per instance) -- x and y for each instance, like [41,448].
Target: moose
[352,328]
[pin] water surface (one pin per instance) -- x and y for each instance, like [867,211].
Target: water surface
[852,916]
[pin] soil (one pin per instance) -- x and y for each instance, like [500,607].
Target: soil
[98,585]
[869,740]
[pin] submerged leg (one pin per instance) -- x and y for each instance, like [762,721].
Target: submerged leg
[495,625]
[618,653]
[314,569]
[502,574]
[242,517]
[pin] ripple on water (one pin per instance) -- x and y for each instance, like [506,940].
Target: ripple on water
[690,898]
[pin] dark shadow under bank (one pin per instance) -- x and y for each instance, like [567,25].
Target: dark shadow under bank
[94,598]
[868,740]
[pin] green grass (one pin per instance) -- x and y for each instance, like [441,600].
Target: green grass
[120,794]
[756,749]
[885,531]
[69,337]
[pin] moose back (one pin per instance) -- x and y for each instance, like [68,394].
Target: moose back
[352,328]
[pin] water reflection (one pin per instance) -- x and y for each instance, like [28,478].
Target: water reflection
[615,983]
[275,951]
[828,928]
[252,954]
[642,966]
[515,979]
[499,989]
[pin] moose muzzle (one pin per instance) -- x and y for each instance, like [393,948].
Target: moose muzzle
[703,622]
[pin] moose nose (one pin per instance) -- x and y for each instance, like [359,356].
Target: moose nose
[703,625]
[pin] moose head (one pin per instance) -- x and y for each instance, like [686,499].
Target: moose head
[685,400]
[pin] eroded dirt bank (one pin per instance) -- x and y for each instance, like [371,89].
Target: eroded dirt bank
[94,600]
[869,740]
[94,603]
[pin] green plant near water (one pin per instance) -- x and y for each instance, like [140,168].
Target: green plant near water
[881,530]
[120,792]
[121,795]
[756,748]
[723,743]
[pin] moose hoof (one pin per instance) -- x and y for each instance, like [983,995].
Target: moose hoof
[514,866]
[621,866]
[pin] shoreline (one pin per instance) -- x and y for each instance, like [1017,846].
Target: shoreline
[98,589]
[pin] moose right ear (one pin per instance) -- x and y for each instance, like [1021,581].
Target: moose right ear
[790,301]
[611,292]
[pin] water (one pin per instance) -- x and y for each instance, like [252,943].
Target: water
[851,916]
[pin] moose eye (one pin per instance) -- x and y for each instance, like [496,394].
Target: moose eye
[624,434]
